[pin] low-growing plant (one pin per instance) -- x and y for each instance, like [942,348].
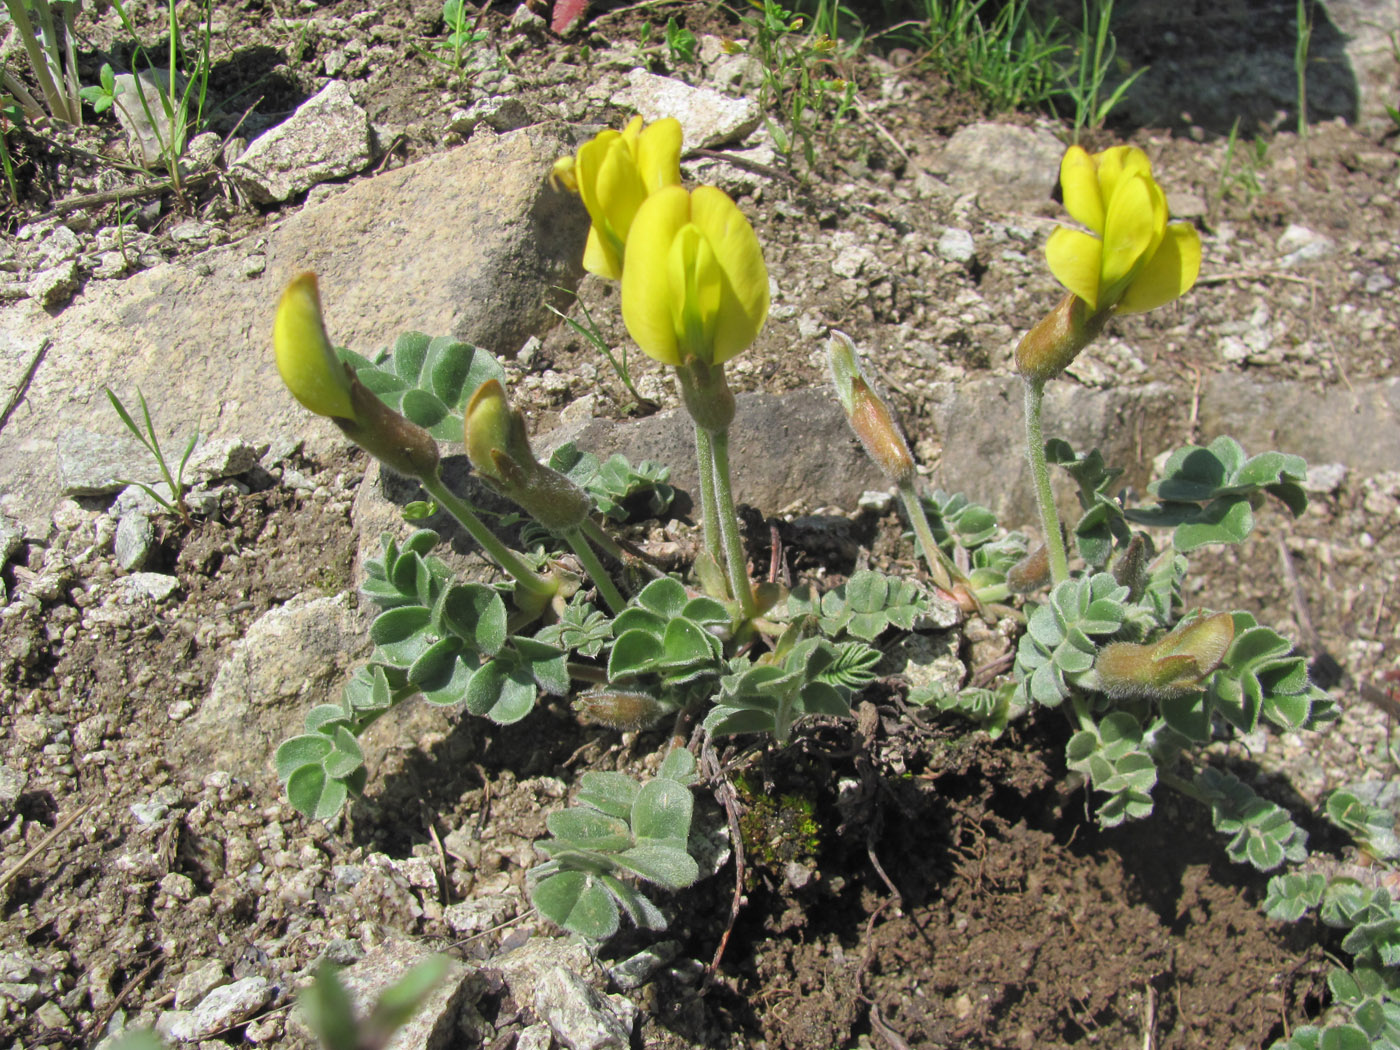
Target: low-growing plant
[1303,17]
[464,32]
[1239,170]
[173,498]
[1087,79]
[1003,53]
[45,30]
[1145,684]
[680,42]
[11,117]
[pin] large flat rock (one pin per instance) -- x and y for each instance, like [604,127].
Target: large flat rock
[466,243]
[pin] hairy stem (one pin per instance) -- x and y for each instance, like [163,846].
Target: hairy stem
[1040,471]
[939,567]
[704,454]
[738,564]
[586,555]
[525,577]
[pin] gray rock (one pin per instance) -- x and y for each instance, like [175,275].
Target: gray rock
[93,464]
[495,247]
[152,586]
[12,783]
[132,545]
[328,137]
[926,660]
[500,113]
[11,536]
[199,981]
[1237,65]
[148,127]
[1303,245]
[447,1017]
[581,1018]
[18,967]
[536,1037]
[217,459]
[203,151]
[479,913]
[1011,167]
[148,813]
[784,449]
[1325,478]
[59,246]
[634,971]
[708,118]
[956,245]
[292,658]
[523,20]
[54,286]
[222,1008]
[523,968]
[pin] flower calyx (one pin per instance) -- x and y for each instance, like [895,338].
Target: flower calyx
[1173,666]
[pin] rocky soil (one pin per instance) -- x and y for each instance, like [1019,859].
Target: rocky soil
[935,888]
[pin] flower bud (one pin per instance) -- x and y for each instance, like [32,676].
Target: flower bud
[322,383]
[1030,573]
[499,449]
[1057,338]
[616,709]
[1174,666]
[868,415]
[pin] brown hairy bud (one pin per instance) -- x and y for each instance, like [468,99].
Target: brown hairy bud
[1030,573]
[1173,666]
[619,710]
[1057,338]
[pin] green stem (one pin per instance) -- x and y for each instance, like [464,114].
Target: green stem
[579,542]
[525,577]
[1082,715]
[1181,784]
[704,454]
[1040,471]
[739,583]
[939,567]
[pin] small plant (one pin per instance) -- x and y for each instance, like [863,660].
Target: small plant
[1304,14]
[463,33]
[680,42]
[1086,81]
[1008,57]
[793,61]
[173,499]
[1239,175]
[182,107]
[11,117]
[49,43]
[588,330]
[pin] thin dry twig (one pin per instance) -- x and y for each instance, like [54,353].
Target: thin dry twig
[1253,275]
[99,1021]
[726,796]
[43,844]
[27,377]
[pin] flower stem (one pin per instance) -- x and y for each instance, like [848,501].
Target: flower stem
[1181,784]
[525,577]
[704,454]
[939,567]
[728,523]
[1040,471]
[586,555]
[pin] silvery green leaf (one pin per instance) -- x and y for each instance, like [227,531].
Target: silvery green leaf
[577,901]
[662,810]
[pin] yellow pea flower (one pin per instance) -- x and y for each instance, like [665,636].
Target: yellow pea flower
[1133,261]
[695,284]
[305,359]
[614,173]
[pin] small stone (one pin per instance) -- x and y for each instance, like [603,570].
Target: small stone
[147,125]
[92,464]
[523,20]
[1325,478]
[1303,245]
[191,232]
[876,500]
[956,245]
[500,113]
[536,1037]
[221,458]
[55,286]
[179,710]
[328,137]
[148,813]
[708,118]
[155,586]
[12,783]
[633,972]
[581,1018]
[580,410]
[51,1015]
[222,1008]
[254,265]
[132,545]
[58,247]
[478,914]
[202,152]
[17,967]
[198,982]
[181,887]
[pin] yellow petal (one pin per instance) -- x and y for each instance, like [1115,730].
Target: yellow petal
[620,193]
[744,291]
[1075,258]
[305,359]
[647,296]
[596,259]
[1079,182]
[1129,230]
[659,154]
[590,158]
[631,133]
[1117,163]
[695,281]
[1168,274]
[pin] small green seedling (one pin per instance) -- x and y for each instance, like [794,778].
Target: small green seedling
[173,500]
[331,1015]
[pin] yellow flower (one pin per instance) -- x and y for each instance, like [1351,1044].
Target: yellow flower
[1136,262]
[695,285]
[305,358]
[614,173]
